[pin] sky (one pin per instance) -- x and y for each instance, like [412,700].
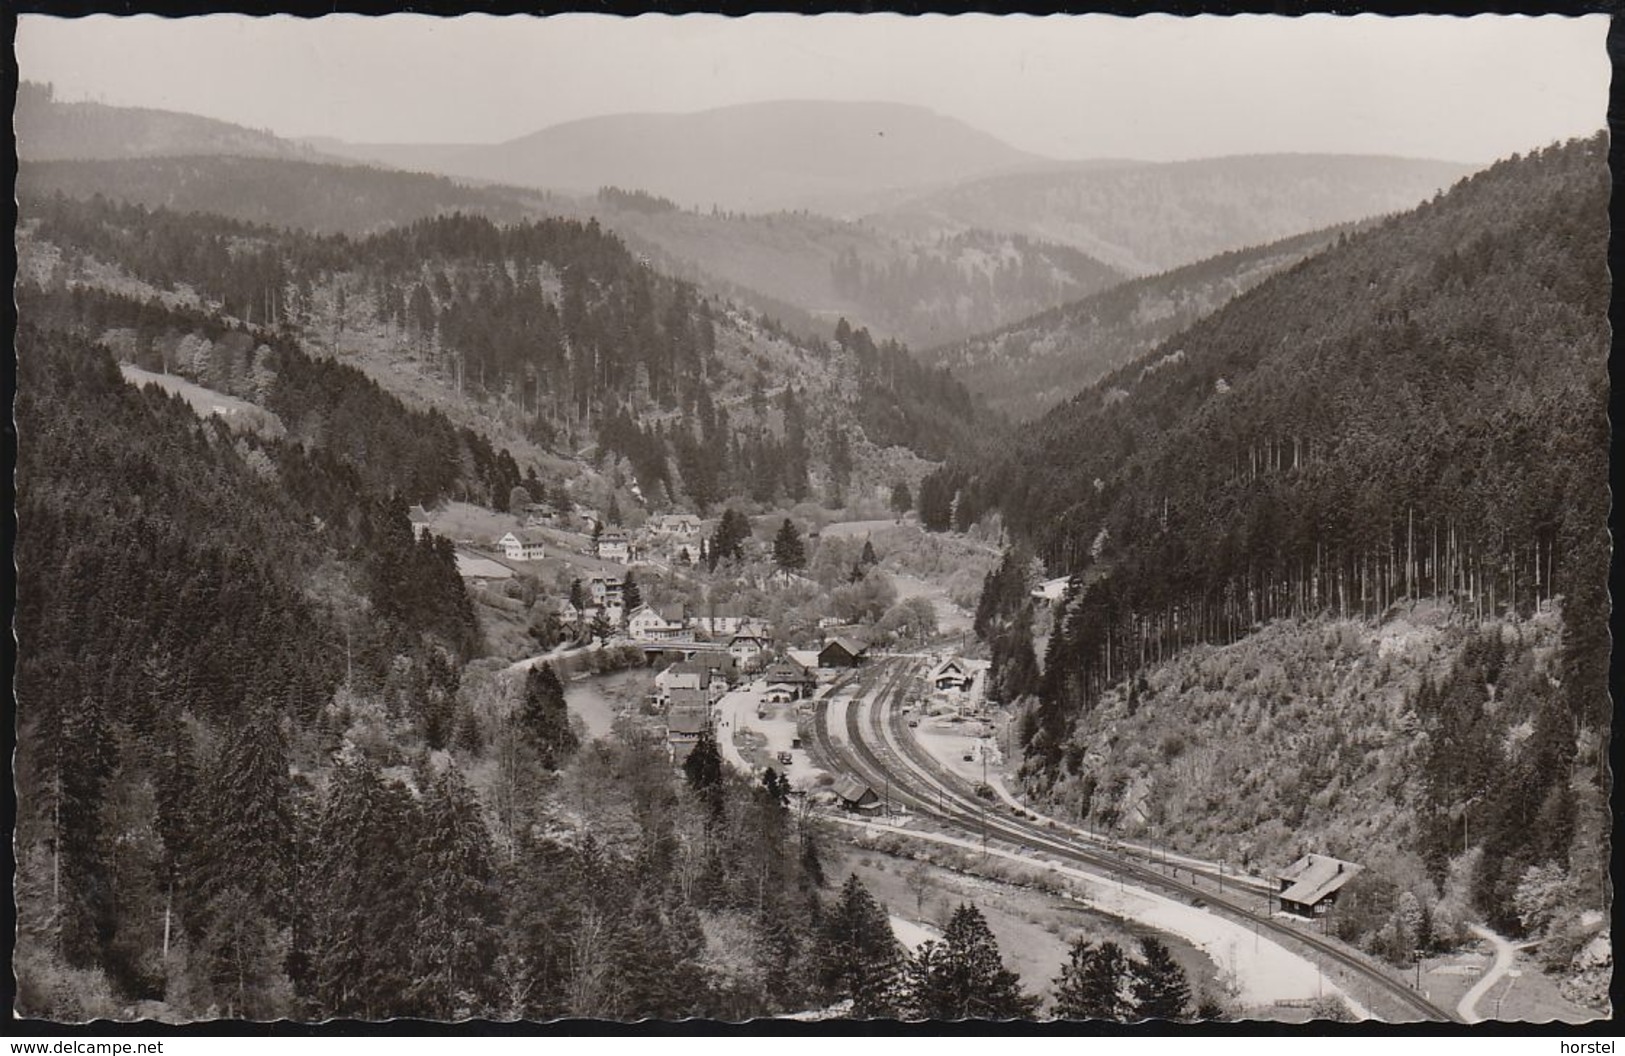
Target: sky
[1154,87]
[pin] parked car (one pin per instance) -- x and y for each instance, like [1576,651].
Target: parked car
[786,758]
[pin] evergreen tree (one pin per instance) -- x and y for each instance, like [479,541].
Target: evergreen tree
[600,628]
[631,594]
[1091,983]
[458,906]
[902,500]
[789,553]
[859,957]
[868,558]
[963,976]
[544,718]
[578,597]
[728,541]
[703,767]
[1159,986]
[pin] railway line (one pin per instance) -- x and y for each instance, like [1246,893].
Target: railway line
[880,751]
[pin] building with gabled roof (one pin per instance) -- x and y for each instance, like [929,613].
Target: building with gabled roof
[685,721]
[792,676]
[656,622]
[953,674]
[1309,886]
[526,544]
[855,795]
[419,517]
[842,652]
[747,648]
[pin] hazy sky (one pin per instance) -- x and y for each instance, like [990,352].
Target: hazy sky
[1154,87]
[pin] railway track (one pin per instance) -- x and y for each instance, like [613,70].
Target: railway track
[897,762]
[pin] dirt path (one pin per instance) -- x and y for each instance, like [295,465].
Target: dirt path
[1504,953]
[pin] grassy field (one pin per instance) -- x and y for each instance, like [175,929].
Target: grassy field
[205,402]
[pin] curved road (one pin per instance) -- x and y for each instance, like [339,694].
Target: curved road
[1504,953]
[886,756]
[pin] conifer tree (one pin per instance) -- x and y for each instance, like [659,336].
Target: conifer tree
[1091,983]
[631,594]
[859,957]
[789,553]
[1159,986]
[703,767]
[544,717]
[963,976]
[458,906]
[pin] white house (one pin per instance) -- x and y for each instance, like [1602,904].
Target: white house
[523,545]
[748,648]
[690,676]
[614,546]
[682,525]
[649,622]
[1050,590]
[722,620]
[952,674]
[420,521]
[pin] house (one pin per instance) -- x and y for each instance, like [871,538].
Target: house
[538,514]
[523,545]
[1309,886]
[842,652]
[856,796]
[606,590]
[684,724]
[1050,590]
[722,620]
[779,693]
[796,678]
[681,680]
[614,546]
[748,648]
[806,659]
[649,622]
[681,525]
[420,521]
[953,674]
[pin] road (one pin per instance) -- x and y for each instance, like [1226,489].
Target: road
[1505,952]
[877,747]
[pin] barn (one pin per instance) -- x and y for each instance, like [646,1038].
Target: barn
[842,652]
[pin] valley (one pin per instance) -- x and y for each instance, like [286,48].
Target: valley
[807,558]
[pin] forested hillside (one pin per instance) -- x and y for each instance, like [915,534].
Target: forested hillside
[1417,413]
[920,291]
[550,325]
[255,778]
[805,269]
[281,192]
[1025,369]
[48,128]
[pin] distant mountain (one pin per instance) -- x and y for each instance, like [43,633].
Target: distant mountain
[755,157]
[51,130]
[1030,366]
[1146,218]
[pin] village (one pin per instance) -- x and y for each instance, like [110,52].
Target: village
[769,654]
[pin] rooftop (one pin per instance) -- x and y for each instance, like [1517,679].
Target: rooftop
[1314,876]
